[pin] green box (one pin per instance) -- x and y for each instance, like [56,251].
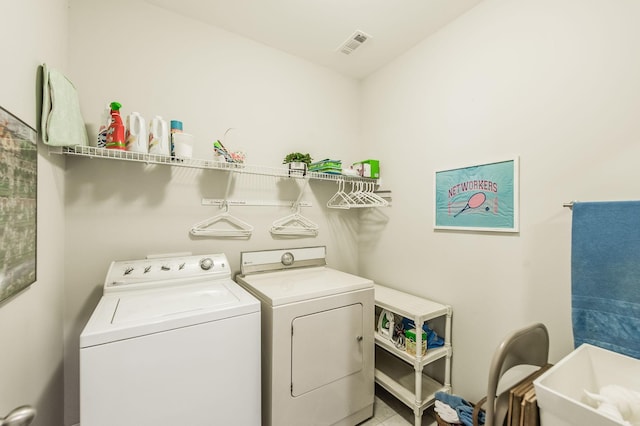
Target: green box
[410,336]
[368,168]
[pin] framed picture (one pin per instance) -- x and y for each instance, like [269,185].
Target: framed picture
[480,197]
[18,187]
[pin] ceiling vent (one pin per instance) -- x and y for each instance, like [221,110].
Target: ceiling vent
[356,40]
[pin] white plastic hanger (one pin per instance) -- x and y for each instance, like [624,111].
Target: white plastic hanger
[239,228]
[373,199]
[340,199]
[361,195]
[294,224]
[357,195]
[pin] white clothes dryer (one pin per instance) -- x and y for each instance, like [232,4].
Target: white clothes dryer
[317,338]
[173,341]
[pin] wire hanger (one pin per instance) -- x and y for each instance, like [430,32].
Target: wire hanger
[238,227]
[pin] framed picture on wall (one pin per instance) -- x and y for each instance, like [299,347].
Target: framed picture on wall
[478,197]
[18,187]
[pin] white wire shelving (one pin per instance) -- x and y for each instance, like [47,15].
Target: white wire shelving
[194,163]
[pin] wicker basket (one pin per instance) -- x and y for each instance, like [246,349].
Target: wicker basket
[443,423]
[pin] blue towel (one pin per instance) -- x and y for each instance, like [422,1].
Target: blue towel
[433,340]
[605,275]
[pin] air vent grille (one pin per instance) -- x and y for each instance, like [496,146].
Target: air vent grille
[356,40]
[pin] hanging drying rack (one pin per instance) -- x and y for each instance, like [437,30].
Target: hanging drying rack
[292,225]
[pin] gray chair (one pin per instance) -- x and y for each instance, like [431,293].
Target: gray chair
[526,346]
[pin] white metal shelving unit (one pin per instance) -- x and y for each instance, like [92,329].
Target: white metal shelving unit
[401,373]
[114,154]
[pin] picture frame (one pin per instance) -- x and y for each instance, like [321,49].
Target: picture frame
[478,197]
[18,204]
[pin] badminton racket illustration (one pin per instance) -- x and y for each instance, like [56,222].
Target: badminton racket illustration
[474,202]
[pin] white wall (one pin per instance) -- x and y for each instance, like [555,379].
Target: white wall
[31,344]
[555,83]
[156,62]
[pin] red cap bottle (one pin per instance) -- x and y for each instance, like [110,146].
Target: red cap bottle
[116,131]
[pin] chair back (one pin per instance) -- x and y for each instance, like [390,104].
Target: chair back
[526,346]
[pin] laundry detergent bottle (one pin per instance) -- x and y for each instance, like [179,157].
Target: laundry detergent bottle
[116,130]
[158,136]
[136,133]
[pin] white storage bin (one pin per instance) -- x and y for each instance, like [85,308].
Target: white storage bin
[560,391]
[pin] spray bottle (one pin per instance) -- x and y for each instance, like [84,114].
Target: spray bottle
[116,131]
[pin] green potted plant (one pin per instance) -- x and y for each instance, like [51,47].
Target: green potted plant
[298,162]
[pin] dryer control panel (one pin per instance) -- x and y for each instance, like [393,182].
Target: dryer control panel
[273,260]
[165,271]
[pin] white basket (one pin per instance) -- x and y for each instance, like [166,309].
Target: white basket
[560,391]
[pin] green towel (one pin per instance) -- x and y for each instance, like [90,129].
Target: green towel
[61,122]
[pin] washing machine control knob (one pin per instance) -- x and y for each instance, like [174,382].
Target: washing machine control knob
[206,263]
[287,259]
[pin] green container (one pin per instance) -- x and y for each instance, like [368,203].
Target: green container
[410,336]
[368,168]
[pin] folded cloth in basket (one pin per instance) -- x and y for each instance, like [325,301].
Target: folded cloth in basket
[446,412]
[61,121]
[462,407]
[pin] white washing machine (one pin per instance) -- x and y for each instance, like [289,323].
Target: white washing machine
[317,338]
[173,341]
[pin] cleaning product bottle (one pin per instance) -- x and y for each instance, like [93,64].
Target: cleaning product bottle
[105,122]
[176,127]
[136,135]
[158,136]
[115,133]
[386,324]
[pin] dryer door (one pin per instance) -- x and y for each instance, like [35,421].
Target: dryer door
[325,347]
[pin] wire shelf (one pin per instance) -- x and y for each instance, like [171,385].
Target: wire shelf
[194,163]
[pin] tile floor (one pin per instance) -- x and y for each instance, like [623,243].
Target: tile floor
[388,411]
